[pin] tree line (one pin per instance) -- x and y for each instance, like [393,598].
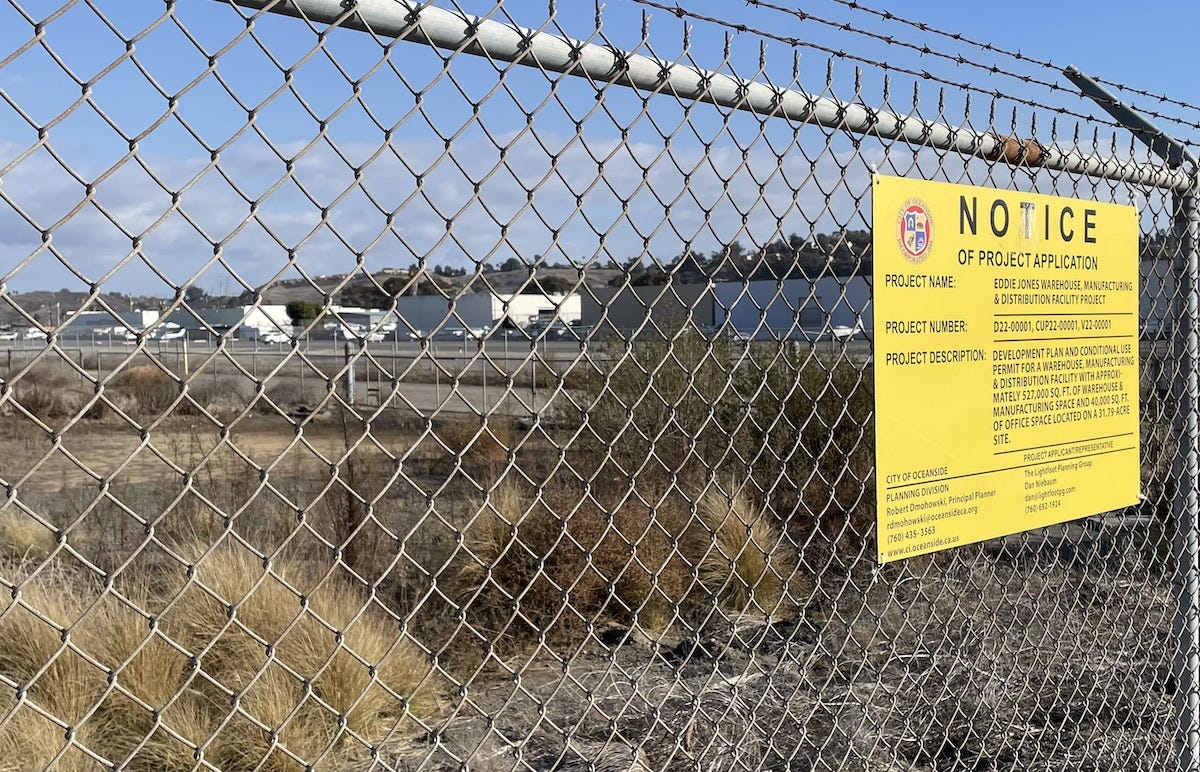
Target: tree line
[840,253]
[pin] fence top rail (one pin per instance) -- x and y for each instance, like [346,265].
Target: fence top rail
[498,41]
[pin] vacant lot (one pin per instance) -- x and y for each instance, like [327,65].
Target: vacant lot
[644,561]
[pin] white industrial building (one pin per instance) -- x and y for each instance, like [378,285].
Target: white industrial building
[254,320]
[426,313]
[522,310]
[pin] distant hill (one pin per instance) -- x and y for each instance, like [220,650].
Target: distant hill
[49,307]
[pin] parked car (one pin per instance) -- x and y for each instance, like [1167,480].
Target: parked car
[556,329]
[473,333]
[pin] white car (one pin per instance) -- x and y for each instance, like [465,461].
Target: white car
[474,333]
[33,333]
[8,335]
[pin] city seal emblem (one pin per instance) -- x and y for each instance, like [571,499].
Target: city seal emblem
[915,230]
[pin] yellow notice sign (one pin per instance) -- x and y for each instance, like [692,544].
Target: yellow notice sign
[1006,362]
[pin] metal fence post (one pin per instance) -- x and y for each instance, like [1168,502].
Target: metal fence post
[349,362]
[1186,506]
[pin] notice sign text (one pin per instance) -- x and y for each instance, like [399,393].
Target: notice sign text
[1006,362]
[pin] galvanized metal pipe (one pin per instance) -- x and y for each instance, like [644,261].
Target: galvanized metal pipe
[408,20]
[1186,539]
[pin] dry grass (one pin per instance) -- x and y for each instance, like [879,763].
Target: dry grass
[742,558]
[559,564]
[71,683]
[477,445]
[23,539]
[30,741]
[324,679]
[530,570]
[371,684]
[60,681]
[151,390]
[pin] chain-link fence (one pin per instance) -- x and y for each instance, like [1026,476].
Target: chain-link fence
[391,385]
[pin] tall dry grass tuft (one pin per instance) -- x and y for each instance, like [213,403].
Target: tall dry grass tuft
[30,741]
[34,635]
[313,663]
[109,684]
[319,674]
[23,539]
[149,677]
[741,556]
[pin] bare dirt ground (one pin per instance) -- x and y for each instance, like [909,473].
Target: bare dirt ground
[1029,654]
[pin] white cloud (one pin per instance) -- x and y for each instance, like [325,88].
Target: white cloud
[593,197]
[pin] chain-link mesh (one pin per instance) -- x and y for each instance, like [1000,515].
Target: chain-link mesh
[387,387]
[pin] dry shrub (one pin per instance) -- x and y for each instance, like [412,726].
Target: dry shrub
[49,391]
[285,396]
[151,390]
[530,570]
[479,444]
[222,398]
[797,422]
[24,539]
[41,400]
[555,565]
[817,447]
[660,405]
[341,518]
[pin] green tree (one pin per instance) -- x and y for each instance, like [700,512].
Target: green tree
[194,295]
[548,285]
[301,311]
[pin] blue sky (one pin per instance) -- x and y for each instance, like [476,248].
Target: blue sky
[719,178]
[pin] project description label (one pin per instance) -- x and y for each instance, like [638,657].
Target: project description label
[1006,362]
